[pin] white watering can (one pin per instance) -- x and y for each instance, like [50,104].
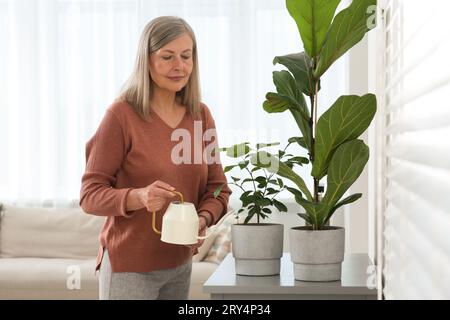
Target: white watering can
[180,223]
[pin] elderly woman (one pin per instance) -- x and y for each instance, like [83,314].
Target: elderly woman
[134,162]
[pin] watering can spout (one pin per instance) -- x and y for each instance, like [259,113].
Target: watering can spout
[180,223]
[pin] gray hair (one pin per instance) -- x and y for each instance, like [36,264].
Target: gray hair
[138,90]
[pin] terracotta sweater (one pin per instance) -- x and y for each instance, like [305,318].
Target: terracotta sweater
[127,152]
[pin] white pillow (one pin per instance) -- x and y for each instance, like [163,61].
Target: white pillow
[49,232]
[209,242]
[205,247]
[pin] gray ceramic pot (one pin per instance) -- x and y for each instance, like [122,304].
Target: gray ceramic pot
[257,248]
[317,254]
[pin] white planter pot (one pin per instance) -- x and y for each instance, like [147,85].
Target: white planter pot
[317,254]
[257,248]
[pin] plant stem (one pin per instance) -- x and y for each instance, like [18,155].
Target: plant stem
[254,187]
[237,186]
[282,189]
[267,184]
[253,180]
[316,181]
[313,138]
[314,99]
[316,190]
[311,125]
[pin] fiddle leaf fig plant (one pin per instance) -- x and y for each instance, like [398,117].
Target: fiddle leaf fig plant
[258,183]
[331,142]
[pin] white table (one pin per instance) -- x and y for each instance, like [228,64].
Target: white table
[225,284]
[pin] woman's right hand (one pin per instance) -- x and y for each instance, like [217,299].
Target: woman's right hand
[154,196]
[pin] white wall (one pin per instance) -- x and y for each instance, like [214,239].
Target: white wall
[357,214]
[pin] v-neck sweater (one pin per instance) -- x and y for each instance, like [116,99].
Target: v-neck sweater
[127,152]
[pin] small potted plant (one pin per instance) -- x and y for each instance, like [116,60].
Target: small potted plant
[256,246]
[331,141]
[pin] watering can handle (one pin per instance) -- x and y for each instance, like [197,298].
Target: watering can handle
[154,213]
[214,228]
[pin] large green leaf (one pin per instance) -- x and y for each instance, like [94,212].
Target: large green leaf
[305,128]
[345,167]
[313,18]
[310,208]
[319,213]
[277,103]
[300,65]
[315,211]
[299,140]
[347,200]
[289,97]
[305,217]
[345,120]
[348,28]
[286,85]
[295,192]
[272,164]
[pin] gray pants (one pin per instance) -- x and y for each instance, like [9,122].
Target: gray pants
[169,284]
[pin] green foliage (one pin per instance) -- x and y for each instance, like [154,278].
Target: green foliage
[289,97]
[259,187]
[348,28]
[276,166]
[344,121]
[299,64]
[313,18]
[335,151]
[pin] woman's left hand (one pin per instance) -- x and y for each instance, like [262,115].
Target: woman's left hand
[201,230]
[202,226]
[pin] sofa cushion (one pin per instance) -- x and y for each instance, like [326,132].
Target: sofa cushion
[49,232]
[34,278]
[204,248]
[211,240]
[221,246]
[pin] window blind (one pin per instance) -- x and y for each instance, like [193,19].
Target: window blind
[416,248]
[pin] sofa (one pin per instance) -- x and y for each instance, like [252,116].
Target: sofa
[49,253]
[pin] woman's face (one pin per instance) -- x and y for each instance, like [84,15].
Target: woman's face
[171,65]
